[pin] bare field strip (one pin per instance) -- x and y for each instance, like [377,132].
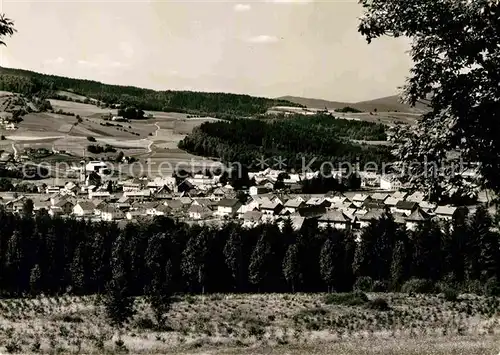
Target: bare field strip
[257,324]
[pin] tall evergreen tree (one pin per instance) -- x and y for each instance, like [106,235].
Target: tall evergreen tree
[398,265]
[233,254]
[78,279]
[119,302]
[427,258]
[259,262]
[291,267]
[35,280]
[195,259]
[363,258]
[484,246]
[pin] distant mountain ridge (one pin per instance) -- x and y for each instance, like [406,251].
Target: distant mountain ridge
[207,103]
[383,104]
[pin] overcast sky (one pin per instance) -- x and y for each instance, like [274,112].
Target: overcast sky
[271,48]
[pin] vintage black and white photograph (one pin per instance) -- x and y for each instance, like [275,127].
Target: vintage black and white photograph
[250,177]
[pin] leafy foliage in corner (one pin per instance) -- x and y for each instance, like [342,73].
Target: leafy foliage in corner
[454,48]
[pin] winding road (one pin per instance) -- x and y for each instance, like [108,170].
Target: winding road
[156,135]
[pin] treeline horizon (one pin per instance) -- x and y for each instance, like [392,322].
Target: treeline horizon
[206,103]
[319,138]
[53,256]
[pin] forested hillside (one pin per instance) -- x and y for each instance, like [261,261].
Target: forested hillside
[54,256]
[214,104]
[322,138]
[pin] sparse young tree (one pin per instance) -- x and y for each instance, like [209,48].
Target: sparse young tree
[35,279]
[291,267]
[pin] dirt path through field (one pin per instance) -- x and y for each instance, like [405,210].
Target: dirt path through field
[156,135]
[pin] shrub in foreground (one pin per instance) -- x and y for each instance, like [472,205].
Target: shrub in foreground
[418,286]
[379,304]
[364,284]
[347,299]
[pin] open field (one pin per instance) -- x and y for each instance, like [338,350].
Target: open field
[155,138]
[258,324]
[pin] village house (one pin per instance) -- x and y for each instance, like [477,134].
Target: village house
[111,213]
[175,205]
[132,185]
[368,217]
[251,205]
[53,189]
[227,207]
[336,198]
[251,219]
[84,209]
[392,201]
[271,208]
[380,196]
[427,207]
[405,207]
[449,213]
[150,207]
[99,207]
[62,207]
[138,195]
[266,183]
[258,190]
[369,179]
[160,182]
[41,205]
[417,196]
[374,205]
[198,212]
[335,219]
[201,181]
[390,183]
[134,214]
[100,195]
[318,202]
[416,219]
[359,199]
[293,205]
[161,210]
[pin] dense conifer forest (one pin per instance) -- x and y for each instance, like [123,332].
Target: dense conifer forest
[40,254]
[320,138]
[214,104]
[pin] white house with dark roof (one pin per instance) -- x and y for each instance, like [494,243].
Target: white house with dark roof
[198,212]
[111,213]
[84,209]
[405,207]
[448,213]
[271,208]
[227,207]
[334,219]
[390,183]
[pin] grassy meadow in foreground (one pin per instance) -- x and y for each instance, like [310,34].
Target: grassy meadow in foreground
[264,324]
